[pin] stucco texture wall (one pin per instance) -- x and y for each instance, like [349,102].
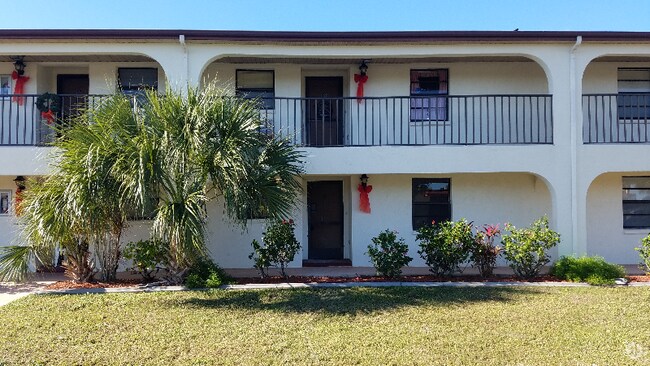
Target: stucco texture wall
[465,78]
[489,198]
[230,244]
[8,225]
[605,234]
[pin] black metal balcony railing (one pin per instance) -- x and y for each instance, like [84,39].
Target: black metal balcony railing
[23,125]
[616,118]
[439,120]
[371,121]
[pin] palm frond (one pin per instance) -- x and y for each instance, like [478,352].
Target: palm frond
[15,261]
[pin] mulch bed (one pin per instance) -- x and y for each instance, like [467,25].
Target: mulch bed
[421,278]
[68,285]
[645,278]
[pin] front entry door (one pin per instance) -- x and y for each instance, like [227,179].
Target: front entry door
[325,219]
[73,89]
[324,111]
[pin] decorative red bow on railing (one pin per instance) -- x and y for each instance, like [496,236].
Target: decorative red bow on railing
[19,88]
[49,116]
[364,201]
[360,80]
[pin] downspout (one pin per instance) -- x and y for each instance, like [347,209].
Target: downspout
[186,61]
[577,247]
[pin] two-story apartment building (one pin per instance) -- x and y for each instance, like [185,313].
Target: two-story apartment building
[491,126]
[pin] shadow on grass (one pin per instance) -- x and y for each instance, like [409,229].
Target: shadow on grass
[353,301]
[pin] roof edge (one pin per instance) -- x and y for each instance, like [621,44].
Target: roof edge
[278,36]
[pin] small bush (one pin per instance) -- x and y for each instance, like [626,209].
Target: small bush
[526,249]
[147,256]
[206,274]
[644,253]
[445,246]
[279,248]
[261,258]
[388,254]
[593,270]
[483,253]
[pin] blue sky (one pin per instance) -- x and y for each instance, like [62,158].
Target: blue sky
[333,15]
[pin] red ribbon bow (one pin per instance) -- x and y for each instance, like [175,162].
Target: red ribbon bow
[19,88]
[360,80]
[364,201]
[49,116]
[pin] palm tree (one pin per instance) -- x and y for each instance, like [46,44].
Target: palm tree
[176,151]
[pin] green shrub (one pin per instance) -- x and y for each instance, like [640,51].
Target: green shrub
[526,249]
[279,248]
[593,270]
[261,258]
[147,256]
[445,246]
[206,274]
[644,253]
[483,253]
[388,254]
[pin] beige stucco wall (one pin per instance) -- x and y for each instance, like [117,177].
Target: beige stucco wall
[465,78]
[8,224]
[491,198]
[605,234]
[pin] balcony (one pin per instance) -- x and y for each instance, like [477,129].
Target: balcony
[616,118]
[327,122]
[22,124]
[439,120]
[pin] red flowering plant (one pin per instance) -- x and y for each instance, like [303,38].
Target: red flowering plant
[483,253]
[279,247]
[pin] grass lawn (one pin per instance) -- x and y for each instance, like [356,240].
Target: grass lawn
[433,326]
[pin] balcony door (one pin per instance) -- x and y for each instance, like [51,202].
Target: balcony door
[324,111]
[73,89]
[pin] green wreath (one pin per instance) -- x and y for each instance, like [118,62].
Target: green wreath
[48,102]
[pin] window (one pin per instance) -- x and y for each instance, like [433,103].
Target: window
[134,81]
[5,84]
[634,93]
[148,213]
[636,202]
[258,213]
[252,84]
[429,90]
[431,201]
[5,201]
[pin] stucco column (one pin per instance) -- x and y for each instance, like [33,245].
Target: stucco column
[562,177]
[172,59]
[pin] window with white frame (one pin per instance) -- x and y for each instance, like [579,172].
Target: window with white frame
[633,93]
[428,98]
[5,201]
[256,84]
[636,202]
[5,84]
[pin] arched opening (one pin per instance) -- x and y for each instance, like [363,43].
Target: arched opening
[425,100]
[613,231]
[616,99]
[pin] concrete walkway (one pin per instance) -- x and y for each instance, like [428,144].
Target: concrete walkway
[13,291]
